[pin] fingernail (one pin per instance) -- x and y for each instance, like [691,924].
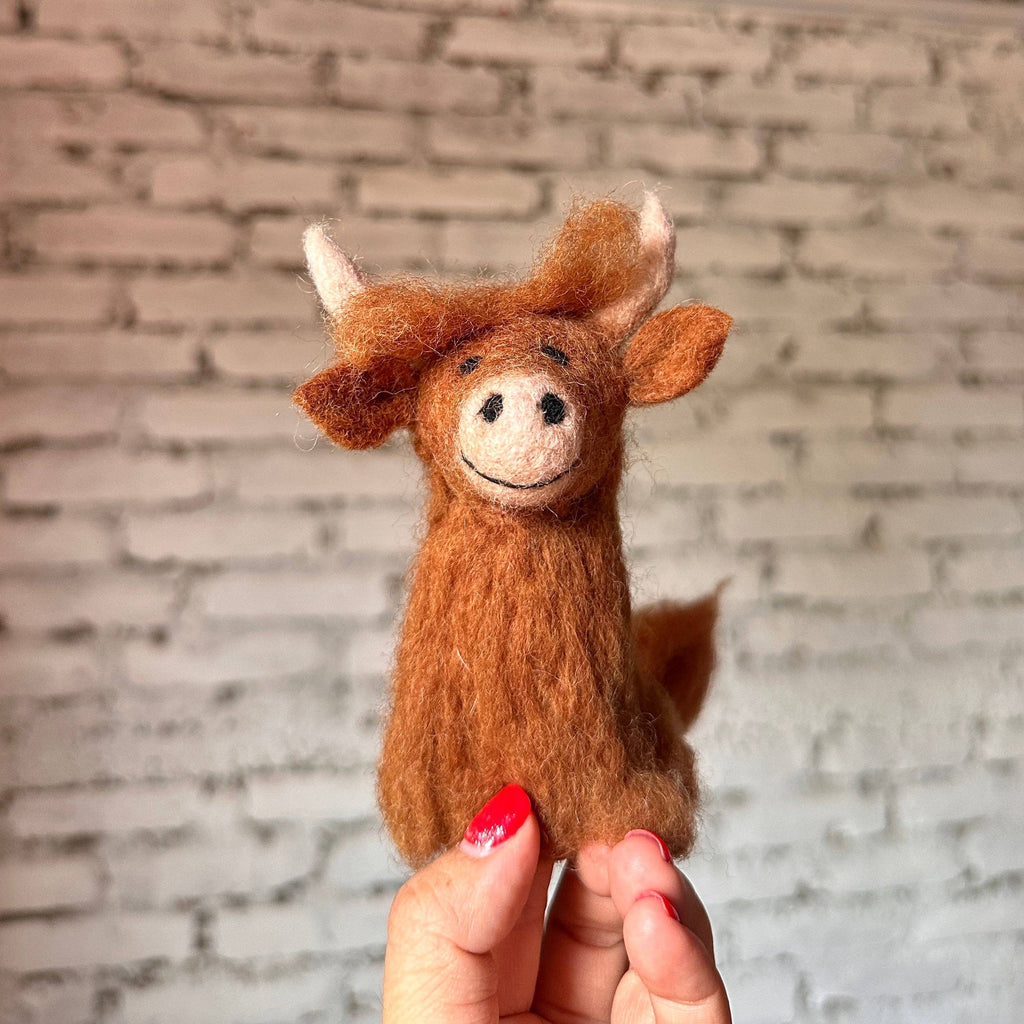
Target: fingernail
[665,905]
[662,845]
[499,819]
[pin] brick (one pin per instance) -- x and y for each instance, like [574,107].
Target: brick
[243,185]
[64,1001]
[382,245]
[820,631]
[509,142]
[363,861]
[791,300]
[868,356]
[995,352]
[973,792]
[872,60]
[809,518]
[370,653]
[611,95]
[853,155]
[204,73]
[794,203]
[920,110]
[225,864]
[141,19]
[37,885]
[118,810]
[101,118]
[684,198]
[832,108]
[527,42]
[722,877]
[995,462]
[955,302]
[321,133]
[765,992]
[323,474]
[951,627]
[263,357]
[220,415]
[977,161]
[883,864]
[947,205]
[987,570]
[717,459]
[249,297]
[56,63]
[32,175]
[728,251]
[132,236]
[208,998]
[402,190]
[660,522]
[820,409]
[381,530]
[219,535]
[943,407]
[53,541]
[951,516]
[29,298]
[85,600]
[202,661]
[766,820]
[694,574]
[311,797]
[686,150]
[292,594]
[992,911]
[36,670]
[112,354]
[876,251]
[851,463]
[265,931]
[396,85]
[852,575]
[686,48]
[996,259]
[101,476]
[312,26]
[61,413]
[489,246]
[60,944]
[993,847]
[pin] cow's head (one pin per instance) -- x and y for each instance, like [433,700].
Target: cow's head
[514,393]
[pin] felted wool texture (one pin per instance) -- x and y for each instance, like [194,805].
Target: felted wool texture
[520,660]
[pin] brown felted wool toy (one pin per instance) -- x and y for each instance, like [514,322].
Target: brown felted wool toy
[520,660]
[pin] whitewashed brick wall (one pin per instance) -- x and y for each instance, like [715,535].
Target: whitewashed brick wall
[198,596]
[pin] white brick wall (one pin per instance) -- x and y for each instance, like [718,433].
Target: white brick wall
[198,596]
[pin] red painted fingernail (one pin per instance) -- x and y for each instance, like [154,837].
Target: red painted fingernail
[665,905]
[662,845]
[499,819]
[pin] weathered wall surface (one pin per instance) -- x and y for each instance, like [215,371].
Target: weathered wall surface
[197,595]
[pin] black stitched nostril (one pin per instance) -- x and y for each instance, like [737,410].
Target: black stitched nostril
[553,408]
[491,409]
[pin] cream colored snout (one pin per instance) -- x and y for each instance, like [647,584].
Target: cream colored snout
[519,439]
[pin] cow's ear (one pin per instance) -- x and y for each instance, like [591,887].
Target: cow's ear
[673,352]
[356,408]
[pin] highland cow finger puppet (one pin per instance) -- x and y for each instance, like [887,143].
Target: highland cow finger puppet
[520,660]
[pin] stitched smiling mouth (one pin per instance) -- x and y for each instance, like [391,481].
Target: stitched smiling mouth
[515,487]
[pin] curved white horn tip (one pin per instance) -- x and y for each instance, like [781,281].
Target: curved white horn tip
[334,275]
[655,224]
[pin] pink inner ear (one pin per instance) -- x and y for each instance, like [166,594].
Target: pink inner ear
[658,247]
[673,352]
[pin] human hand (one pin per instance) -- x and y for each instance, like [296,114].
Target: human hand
[627,939]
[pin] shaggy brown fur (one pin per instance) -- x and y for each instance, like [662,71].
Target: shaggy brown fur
[520,660]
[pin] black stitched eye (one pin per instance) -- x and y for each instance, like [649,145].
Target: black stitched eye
[555,353]
[470,364]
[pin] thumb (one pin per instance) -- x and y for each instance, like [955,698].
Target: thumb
[458,907]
